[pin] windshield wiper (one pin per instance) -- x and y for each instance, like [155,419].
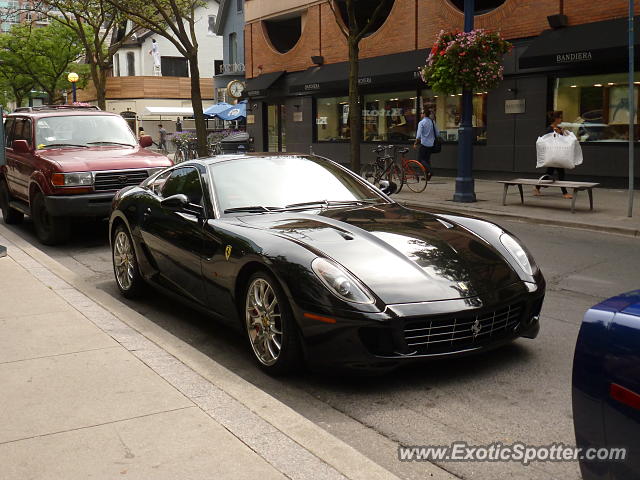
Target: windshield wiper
[331,203]
[252,208]
[110,143]
[64,145]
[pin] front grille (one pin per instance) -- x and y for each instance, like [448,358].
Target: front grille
[454,333]
[104,181]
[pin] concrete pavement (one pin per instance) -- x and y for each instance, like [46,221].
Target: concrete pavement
[91,390]
[609,215]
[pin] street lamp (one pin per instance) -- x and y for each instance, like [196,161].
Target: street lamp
[73,78]
[465,191]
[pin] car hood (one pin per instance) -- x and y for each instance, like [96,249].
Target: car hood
[103,158]
[403,256]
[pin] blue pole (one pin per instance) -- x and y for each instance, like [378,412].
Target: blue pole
[465,188]
[73,86]
[632,105]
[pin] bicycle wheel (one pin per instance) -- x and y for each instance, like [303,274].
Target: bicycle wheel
[415,176]
[396,176]
[179,156]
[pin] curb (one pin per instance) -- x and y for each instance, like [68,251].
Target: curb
[629,232]
[334,452]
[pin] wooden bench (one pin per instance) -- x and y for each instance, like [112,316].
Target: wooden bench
[575,186]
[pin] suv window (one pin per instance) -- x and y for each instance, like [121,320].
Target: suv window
[184,180]
[22,130]
[8,132]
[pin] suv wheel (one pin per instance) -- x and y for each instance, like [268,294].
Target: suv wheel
[10,215]
[50,230]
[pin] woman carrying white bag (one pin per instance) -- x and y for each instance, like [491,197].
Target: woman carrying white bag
[557,149]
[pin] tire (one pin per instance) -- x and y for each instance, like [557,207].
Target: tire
[179,157]
[125,264]
[396,175]
[11,216]
[415,176]
[268,327]
[49,229]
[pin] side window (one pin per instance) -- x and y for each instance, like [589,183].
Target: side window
[22,130]
[8,132]
[184,180]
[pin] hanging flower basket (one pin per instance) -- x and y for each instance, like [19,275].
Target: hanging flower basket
[465,61]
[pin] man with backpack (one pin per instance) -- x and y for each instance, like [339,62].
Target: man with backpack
[426,138]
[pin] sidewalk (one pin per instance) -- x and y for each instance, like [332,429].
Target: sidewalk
[610,206]
[93,389]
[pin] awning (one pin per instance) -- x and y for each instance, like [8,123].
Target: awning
[234,112]
[385,70]
[213,110]
[180,111]
[257,87]
[597,43]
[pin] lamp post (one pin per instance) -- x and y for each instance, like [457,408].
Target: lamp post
[73,78]
[465,191]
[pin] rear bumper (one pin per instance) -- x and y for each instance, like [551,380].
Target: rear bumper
[85,205]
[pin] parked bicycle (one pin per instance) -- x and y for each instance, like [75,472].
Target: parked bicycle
[409,172]
[186,150]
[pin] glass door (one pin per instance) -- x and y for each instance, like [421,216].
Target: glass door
[276,128]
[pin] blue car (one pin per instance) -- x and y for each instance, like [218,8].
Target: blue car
[606,386]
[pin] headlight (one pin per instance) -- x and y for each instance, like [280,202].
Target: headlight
[518,252]
[79,179]
[342,284]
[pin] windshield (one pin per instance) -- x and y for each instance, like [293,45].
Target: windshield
[83,131]
[278,182]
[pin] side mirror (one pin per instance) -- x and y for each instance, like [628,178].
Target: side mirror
[21,146]
[175,203]
[388,187]
[146,141]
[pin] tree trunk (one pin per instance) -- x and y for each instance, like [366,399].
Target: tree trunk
[196,103]
[99,78]
[355,110]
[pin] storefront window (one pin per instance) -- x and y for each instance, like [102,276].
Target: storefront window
[448,110]
[332,120]
[390,117]
[596,107]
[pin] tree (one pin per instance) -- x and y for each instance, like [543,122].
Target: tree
[101,29]
[43,54]
[356,19]
[14,86]
[174,20]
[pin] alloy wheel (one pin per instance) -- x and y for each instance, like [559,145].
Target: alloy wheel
[124,260]
[263,321]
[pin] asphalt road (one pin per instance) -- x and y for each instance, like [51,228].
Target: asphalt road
[518,393]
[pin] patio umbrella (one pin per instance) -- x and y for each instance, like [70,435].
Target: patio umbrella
[213,110]
[233,113]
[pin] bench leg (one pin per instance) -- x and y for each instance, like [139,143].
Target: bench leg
[504,194]
[590,192]
[573,200]
[521,194]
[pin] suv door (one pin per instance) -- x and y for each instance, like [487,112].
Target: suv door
[20,165]
[8,150]
[175,239]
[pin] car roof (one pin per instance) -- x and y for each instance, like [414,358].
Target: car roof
[58,111]
[242,156]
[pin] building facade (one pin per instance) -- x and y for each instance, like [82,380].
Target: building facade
[230,27]
[297,80]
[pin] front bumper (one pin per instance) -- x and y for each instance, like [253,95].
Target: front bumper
[80,205]
[378,342]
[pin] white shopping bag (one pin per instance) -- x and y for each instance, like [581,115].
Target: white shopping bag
[561,151]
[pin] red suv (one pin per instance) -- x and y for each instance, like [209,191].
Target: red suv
[68,161]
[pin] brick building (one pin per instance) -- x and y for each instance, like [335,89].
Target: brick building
[295,57]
